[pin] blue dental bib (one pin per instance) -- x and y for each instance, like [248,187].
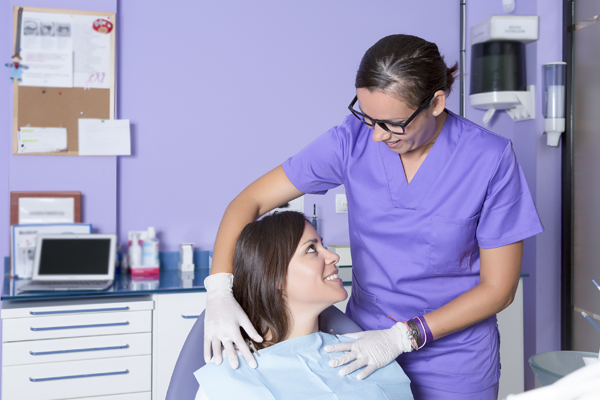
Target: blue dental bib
[298,369]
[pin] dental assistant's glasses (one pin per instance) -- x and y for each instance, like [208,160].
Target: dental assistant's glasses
[396,128]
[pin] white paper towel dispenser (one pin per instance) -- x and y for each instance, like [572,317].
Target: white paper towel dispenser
[498,70]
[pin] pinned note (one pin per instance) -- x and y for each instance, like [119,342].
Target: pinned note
[104,137]
[47,49]
[42,140]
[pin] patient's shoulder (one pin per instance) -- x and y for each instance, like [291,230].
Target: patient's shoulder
[299,366]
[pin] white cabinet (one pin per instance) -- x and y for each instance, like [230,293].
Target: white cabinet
[512,353]
[76,349]
[105,349]
[174,316]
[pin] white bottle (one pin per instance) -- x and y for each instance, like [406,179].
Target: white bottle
[135,252]
[150,249]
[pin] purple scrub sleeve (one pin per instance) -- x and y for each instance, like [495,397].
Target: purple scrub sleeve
[415,247]
[508,208]
[325,171]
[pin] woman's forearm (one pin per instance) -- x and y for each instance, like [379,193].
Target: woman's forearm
[500,271]
[240,212]
[473,306]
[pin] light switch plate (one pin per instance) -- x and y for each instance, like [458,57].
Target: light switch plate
[341,204]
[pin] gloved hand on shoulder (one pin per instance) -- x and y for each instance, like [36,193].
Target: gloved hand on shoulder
[371,349]
[223,318]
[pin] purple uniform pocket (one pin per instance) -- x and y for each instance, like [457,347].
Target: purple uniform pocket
[452,244]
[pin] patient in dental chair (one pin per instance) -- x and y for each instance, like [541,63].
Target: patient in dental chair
[284,278]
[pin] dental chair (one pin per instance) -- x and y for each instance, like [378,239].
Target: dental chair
[183,385]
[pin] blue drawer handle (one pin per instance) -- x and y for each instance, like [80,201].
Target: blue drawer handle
[44,353]
[52,328]
[78,311]
[190,316]
[56,378]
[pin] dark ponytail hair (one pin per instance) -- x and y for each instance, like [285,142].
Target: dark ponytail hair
[407,67]
[262,255]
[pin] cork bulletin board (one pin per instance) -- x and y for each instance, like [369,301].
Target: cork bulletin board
[56,107]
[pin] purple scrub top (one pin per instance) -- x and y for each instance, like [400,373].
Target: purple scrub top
[415,247]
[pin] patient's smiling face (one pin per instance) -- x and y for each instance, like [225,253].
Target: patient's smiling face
[312,281]
[284,277]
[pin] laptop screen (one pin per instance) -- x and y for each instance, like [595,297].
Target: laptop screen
[74,256]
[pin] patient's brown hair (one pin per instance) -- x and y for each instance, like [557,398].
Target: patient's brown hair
[262,255]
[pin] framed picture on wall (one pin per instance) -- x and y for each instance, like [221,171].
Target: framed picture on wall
[45,207]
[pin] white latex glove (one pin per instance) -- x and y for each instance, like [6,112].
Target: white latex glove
[373,349]
[223,318]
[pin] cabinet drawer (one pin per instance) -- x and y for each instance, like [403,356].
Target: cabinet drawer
[76,379]
[128,396]
[17,309]
[64,326]
[80,348]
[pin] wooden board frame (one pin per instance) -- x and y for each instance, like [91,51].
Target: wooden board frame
[90,102]
[15,196]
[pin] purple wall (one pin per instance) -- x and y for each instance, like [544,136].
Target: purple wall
[542,167]
[235,91]
[548,189]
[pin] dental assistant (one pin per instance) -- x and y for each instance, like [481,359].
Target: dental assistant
[438,208]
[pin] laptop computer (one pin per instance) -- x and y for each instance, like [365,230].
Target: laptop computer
[73,262]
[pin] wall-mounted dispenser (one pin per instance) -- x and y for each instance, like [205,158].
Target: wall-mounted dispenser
[498,74]
[554,78]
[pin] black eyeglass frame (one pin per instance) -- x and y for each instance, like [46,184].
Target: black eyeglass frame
[383,124]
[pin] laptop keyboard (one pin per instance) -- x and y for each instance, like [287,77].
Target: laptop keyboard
[70,283]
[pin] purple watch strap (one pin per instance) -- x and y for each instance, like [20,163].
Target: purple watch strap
[423,326]
[421,330]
